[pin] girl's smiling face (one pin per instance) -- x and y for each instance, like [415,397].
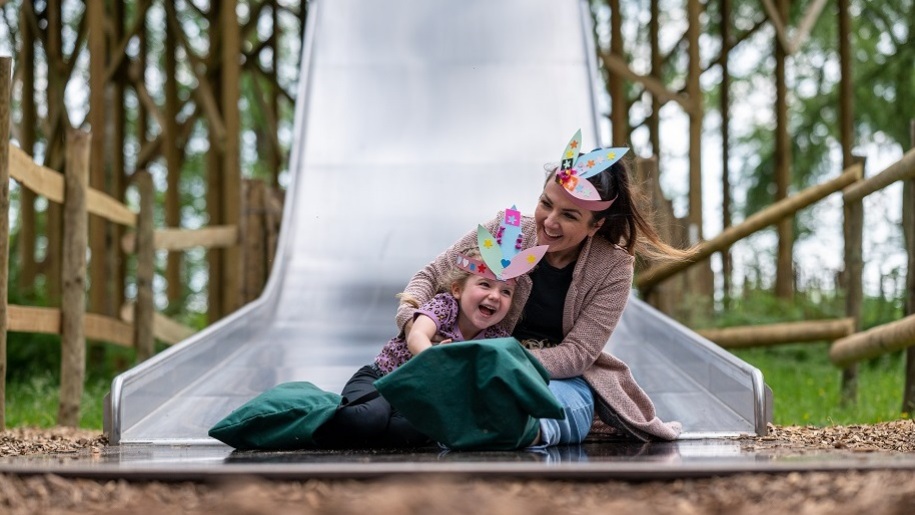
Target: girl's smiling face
[562,224]
[483,303]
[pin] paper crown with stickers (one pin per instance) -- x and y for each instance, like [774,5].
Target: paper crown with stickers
[574,170]
[503,255]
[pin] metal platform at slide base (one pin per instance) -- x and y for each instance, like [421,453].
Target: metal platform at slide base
[414,122]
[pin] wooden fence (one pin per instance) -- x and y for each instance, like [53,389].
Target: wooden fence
[896,335]
[139,324]
[848,346]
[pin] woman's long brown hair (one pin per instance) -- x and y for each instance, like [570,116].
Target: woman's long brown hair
[625,223]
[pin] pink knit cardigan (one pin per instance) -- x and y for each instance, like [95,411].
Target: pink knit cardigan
[599,291]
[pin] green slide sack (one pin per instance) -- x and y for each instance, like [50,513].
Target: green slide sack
[282,418]
[482,394]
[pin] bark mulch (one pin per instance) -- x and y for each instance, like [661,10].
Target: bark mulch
[844,492]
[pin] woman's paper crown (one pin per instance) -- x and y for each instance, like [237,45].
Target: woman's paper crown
[574,170]
[503,255]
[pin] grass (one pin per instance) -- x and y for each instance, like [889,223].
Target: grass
[806,386]
[34,402]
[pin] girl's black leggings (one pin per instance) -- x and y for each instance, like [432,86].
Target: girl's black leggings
[366,419]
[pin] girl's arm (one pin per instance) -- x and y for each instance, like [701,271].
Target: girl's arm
[420,337]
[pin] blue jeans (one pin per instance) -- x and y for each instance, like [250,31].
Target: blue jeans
[578,404]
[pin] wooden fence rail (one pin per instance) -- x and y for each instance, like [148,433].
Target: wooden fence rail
[34,319]
[756,222]
[898,171]
[874,342]
[50,184]
[780,333]
[217,236]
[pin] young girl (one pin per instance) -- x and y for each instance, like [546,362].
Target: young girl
[473,297]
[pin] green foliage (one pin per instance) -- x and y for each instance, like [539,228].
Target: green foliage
[883,68]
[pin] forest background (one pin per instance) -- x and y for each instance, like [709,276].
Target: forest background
[884,77]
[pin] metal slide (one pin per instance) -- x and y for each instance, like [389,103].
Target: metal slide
[415,121]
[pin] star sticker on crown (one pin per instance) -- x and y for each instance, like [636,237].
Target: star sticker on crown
[573,170]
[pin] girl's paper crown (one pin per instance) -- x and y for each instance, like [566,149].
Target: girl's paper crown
[503,255]
[574,170]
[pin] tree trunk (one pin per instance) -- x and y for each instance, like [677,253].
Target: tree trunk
[252,236]
[57,119]
[725,146]
[854,227]
[173,154]
[694,92]
[215,309]
[146,255]
[619,110]
[908,229]
[28,267]
[100,285]
[784,271]
[117,257]
[231,165]
[657,61]
[846,129]
[6,64]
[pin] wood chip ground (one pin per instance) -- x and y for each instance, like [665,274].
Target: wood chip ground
[844,492]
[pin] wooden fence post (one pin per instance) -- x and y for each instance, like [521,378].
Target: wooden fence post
[853,229]
[5,66]
[144,340]
[73,277]
[253,239]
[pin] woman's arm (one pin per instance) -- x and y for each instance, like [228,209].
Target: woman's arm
[424,284]
[593,325]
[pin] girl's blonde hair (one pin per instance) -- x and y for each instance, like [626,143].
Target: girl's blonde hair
[453,276]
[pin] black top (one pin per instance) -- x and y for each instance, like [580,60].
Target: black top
[542,315]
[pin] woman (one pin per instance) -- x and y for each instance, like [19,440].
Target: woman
[572,301]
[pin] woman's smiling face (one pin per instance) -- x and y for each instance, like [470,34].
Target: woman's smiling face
[562,224]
